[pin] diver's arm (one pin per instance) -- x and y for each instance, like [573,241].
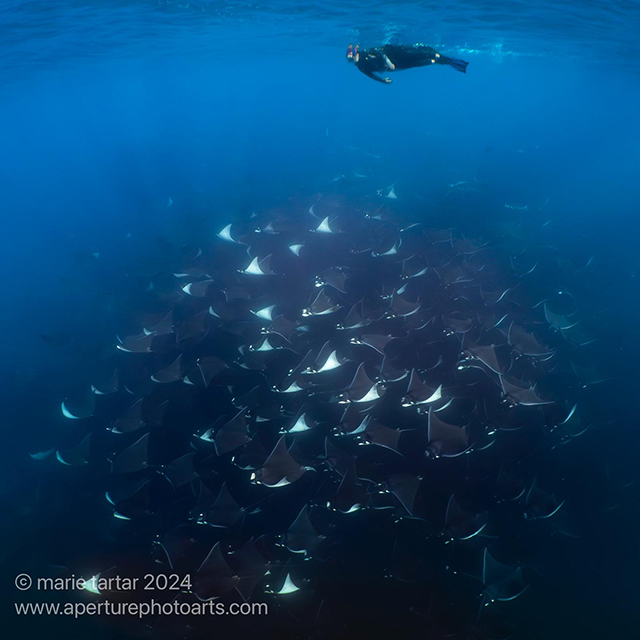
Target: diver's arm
[373,76]
[388,62]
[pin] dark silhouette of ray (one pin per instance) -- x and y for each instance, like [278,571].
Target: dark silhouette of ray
[486,355]
[525,343]
[250,566]
[137,504]
[272,228]
[229,235]
[388,248]
[171,373]
[413,268]
[446,440]
[588,375]
[76,456]
[451,275]
[133,458]
[524,266]
[259,267]
[155,415]
[209,434]
[573,266]
[233,434]
[287,586]
[107,387]
[457,325]
[132,498]
[469,246]
[496,321]
[248,399]
[131,421]
[351,494]
[58,339]
[194,329]
[327,360]
[560,521]
[302,537]
[189,272]
[405,488]
[526,397]
[376,342]
[302,422]
[190,253]
[210,367]
[283,327]
[362,388]
[225,511]
[136,344]
[339,460]
[321,306]
[335,278]
[221,312]
[420,393]
[181,471]
[579,335]
[279,468]
[353,419]
[293,383]
[197,289]
[501,582]
[388,373]
[253,456]
[373,310]
[297,249]
[382,436]
[273,342]
[163,327]
[509,484]
[81,405]
[177,545]
[233,294]
[204,501]
[494,297]
[354,319]
[401,308]
[461,524]
[506,417]
[327,226]
[541,504]
[558,320]
[265,313]
[214,577]
[572,426]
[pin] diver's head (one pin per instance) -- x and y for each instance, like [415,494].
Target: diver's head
[350,53]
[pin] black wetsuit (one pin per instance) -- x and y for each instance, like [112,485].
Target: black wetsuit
[377,60]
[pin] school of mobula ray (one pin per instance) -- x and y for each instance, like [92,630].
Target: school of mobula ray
[323,399]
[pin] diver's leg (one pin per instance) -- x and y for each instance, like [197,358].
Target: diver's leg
[415,56]
[425,59]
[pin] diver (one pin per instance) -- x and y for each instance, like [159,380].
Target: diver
[391,57]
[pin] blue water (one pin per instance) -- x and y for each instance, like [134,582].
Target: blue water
[124,121]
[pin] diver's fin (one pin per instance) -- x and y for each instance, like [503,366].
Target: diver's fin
[456,63]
